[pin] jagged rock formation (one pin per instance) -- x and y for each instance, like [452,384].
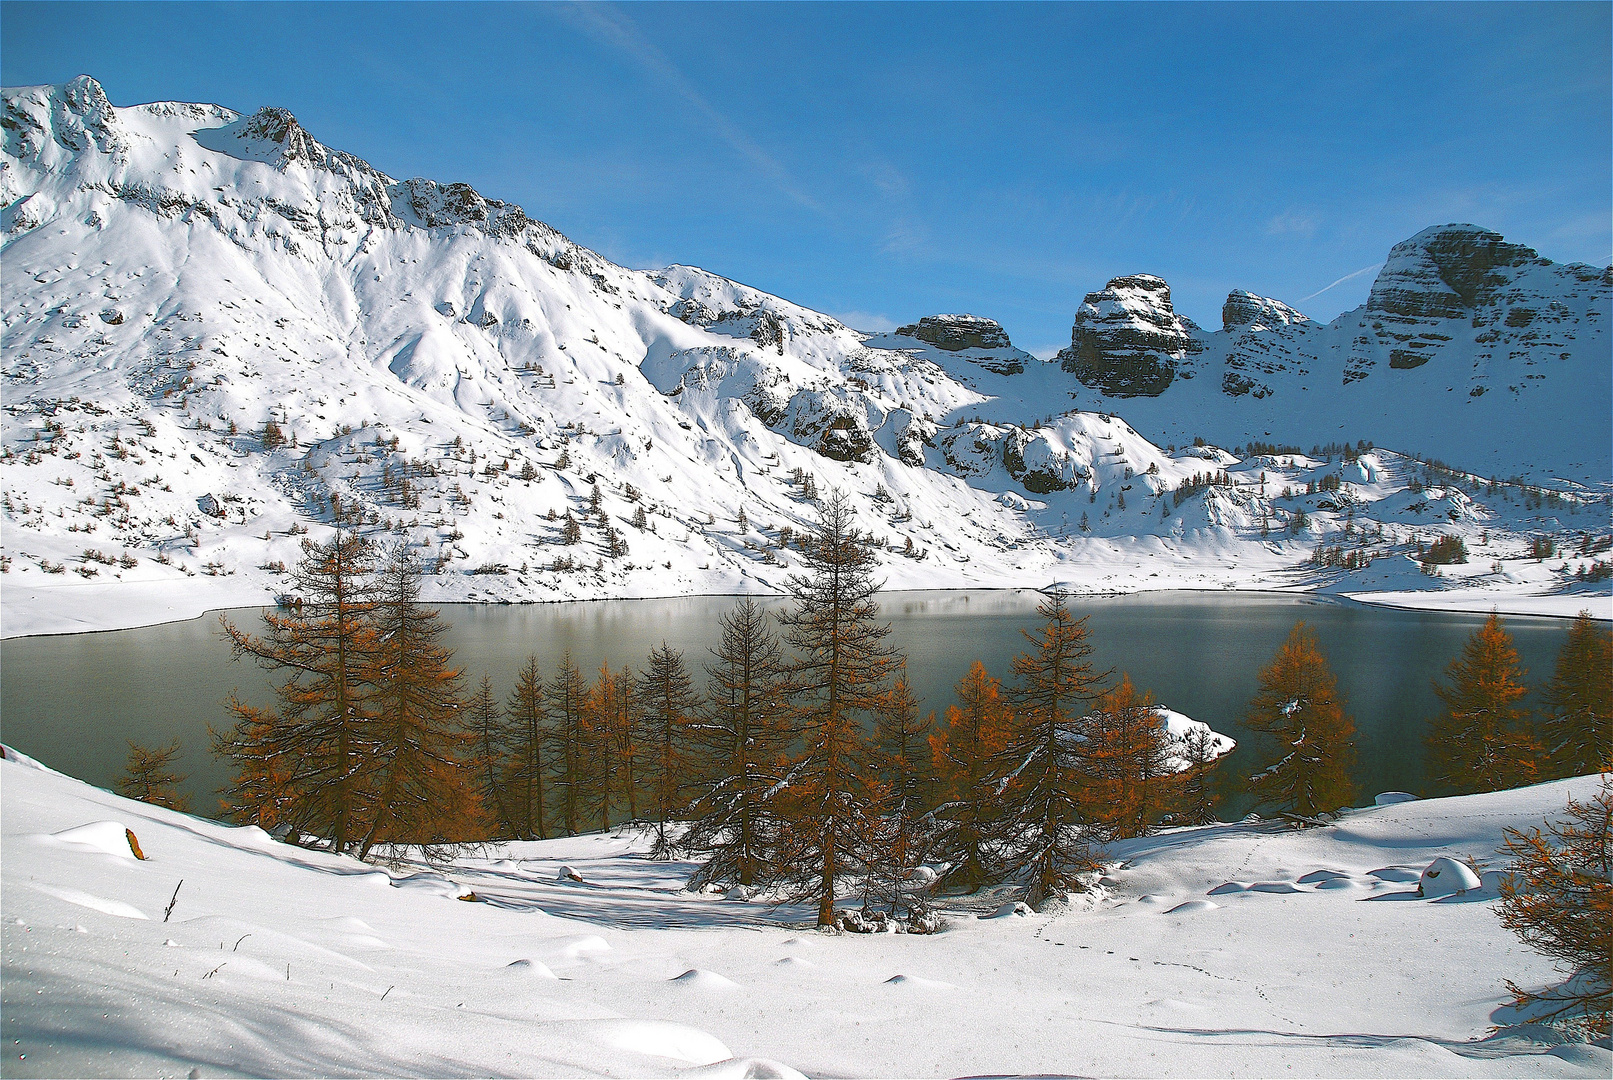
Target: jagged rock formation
[1127,340]
[1245,309]
[956,332]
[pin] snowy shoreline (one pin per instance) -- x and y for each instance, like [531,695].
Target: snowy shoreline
[97,613]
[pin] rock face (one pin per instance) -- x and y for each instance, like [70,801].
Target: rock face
[957,332]
[1443,272]
[1127,340]
[1246,310]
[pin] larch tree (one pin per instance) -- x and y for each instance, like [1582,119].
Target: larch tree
[667,703]
[299,763]
[1299,706]
[568,743]
[420,788]
[841,668]
[902,766]
[1482,741]
[1197,796]
[148,775]
[1127,752]
[490,755]
[624,729]
[1558,897]
[740,741]
[976,733]
[606,710]
[1577,714]
[1043,826]
[527,719]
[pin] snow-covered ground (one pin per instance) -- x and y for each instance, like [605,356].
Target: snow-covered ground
[447,372]
[1247,949]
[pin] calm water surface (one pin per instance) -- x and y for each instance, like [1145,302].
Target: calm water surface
[74,701]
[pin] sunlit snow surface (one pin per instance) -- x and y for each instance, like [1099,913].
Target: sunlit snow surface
[1315,958]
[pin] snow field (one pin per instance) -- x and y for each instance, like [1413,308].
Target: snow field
[277,960]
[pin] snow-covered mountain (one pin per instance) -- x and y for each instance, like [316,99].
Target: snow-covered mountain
[1469,348]
[219,333]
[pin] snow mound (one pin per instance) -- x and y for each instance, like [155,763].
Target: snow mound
[1390,798]
[794,962]
[1191,907]
[1396,873]
[586,946]
[107,837]
[1316,876]
[566,873]
[1446,877]
[705,980]
[93,902]
[534,968]
[1010,909]
[1229,887]
[745,1069]
[918,983]
[1275,887]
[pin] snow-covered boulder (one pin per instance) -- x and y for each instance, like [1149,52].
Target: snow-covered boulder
[1447,877]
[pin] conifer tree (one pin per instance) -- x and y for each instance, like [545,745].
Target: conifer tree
[625,730]
[1558,897]
[528,727]
[976,732]
[299,762]
[839,675]
[1577,717]
[1482,741]
[741,739]
[1126,752]
[605,710]
[1043,824]
[490,759]
[1198,798]
[567,743]
[1298,703]
[149,776]
[419,789]
[902,766]
[667,705]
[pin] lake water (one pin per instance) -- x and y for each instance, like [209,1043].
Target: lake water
[73,701]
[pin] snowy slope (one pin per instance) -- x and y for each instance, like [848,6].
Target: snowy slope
[446,371]
[1296,952]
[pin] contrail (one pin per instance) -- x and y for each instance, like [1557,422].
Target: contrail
[1341,281]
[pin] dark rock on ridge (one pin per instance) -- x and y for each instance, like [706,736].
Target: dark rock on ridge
[1127,339]
[957,332]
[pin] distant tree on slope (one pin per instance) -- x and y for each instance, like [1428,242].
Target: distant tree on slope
[1298,703]
[1577,717]
[1559,899]
[148,775]
[1482,741]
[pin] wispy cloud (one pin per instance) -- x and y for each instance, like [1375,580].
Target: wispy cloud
[1340,281]
[1291,222]
[616,28]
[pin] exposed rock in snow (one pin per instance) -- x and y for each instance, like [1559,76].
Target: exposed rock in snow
[957,332]
[1446,877]
[1127,339]
[1246,310]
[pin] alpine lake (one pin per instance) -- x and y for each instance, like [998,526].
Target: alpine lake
[75,702]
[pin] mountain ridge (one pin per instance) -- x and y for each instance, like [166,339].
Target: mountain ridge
[450,372]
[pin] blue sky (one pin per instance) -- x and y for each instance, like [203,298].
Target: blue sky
[882,162]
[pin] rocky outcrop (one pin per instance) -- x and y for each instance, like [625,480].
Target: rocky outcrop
[955,333]
[1445,271]
[1245,310]
[1127,340]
